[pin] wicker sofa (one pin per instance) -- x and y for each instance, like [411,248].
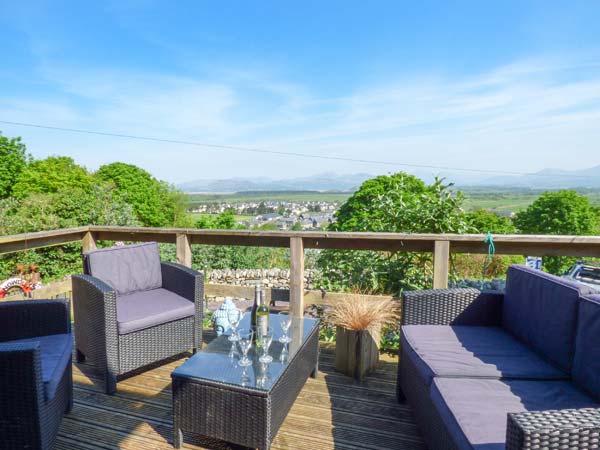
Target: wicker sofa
[36,383]
[514,370]
[132,310]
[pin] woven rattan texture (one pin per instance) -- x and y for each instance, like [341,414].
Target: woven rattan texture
[96,335]
[558,429]
[27,419]
[428,419]
[243,416]
[435,306]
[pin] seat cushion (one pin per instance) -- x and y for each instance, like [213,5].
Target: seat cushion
[541,311]
[55,351]
[146,309]
[586,364]
[468,351]
[127,269]
[474,411]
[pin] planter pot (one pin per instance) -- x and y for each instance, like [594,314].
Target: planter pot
[356,352]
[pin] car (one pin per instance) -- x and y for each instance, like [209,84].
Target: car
[584,273]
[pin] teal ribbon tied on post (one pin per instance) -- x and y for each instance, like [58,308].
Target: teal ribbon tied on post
[489,240]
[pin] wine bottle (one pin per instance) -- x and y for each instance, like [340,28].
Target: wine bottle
[262,315]
[255,307]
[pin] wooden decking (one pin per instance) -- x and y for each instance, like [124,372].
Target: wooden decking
[331,412]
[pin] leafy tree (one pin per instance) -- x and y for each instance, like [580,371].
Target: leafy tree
[50,175]
[297,226]
[394,203]
[483,221]
[68,207]
[155,203]
[13,160]
[562,212]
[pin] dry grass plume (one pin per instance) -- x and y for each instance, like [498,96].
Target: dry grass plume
[360,312]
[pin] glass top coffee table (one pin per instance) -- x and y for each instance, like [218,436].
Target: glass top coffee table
[214,396]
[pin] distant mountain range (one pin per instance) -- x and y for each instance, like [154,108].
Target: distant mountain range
[549,179]
[329,181]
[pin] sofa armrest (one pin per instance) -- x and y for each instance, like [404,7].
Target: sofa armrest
[183,281]
[567,428]
[452,307]
[23,319]
[22,395]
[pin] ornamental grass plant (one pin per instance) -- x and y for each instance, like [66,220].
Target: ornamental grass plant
[361,312]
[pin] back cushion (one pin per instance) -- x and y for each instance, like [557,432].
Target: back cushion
[541,310]
[127,269]
[586,364]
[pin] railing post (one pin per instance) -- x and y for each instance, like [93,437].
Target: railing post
[184,250]
[441,255]
[88,242]
[297,276]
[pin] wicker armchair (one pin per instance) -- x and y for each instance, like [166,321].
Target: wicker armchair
[119,331]
[36,384]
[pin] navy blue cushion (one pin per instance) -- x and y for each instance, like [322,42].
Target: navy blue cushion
[541,311]
[127,269]
[55,350]
[474,411]
[469,351]
[146,309]
[586,364]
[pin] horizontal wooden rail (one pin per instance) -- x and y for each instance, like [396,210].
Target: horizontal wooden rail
[440,245]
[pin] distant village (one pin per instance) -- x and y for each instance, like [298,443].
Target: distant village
[285,215]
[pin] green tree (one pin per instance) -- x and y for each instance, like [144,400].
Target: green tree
[69,207]
[395,203]
[297,226]
[13,160]
[483,221]
[155,203]
[562,212]
[50,175]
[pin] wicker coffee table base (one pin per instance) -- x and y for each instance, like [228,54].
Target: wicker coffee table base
[244,416]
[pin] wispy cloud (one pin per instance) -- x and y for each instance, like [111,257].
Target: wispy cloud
[532,110]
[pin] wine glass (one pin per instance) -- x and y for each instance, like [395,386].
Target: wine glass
[245,342]
[264,339]
[245,378]
[285,320]
[234,317]
[285,354]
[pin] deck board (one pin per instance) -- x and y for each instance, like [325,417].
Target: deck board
[331,412]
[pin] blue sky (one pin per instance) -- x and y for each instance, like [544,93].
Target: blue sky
[511,85]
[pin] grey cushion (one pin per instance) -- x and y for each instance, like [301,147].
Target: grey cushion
[55,351]
[541,311]
[586,364]
[141,310]
[127,269]
[469,351]
[474,411]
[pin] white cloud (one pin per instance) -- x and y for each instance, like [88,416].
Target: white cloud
[541,114]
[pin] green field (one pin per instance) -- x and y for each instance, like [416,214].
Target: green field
[238,217]
[289,196]
[492,199]
[502,200]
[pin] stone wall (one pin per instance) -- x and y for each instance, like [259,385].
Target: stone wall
[269,278]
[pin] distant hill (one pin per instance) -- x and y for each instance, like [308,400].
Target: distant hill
[550,179]
[327,181]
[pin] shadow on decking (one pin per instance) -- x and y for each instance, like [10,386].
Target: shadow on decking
[367,415]
[331,412]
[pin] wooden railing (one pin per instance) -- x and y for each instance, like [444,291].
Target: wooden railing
[439,244]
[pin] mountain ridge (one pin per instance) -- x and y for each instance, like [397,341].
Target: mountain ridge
[548,178]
